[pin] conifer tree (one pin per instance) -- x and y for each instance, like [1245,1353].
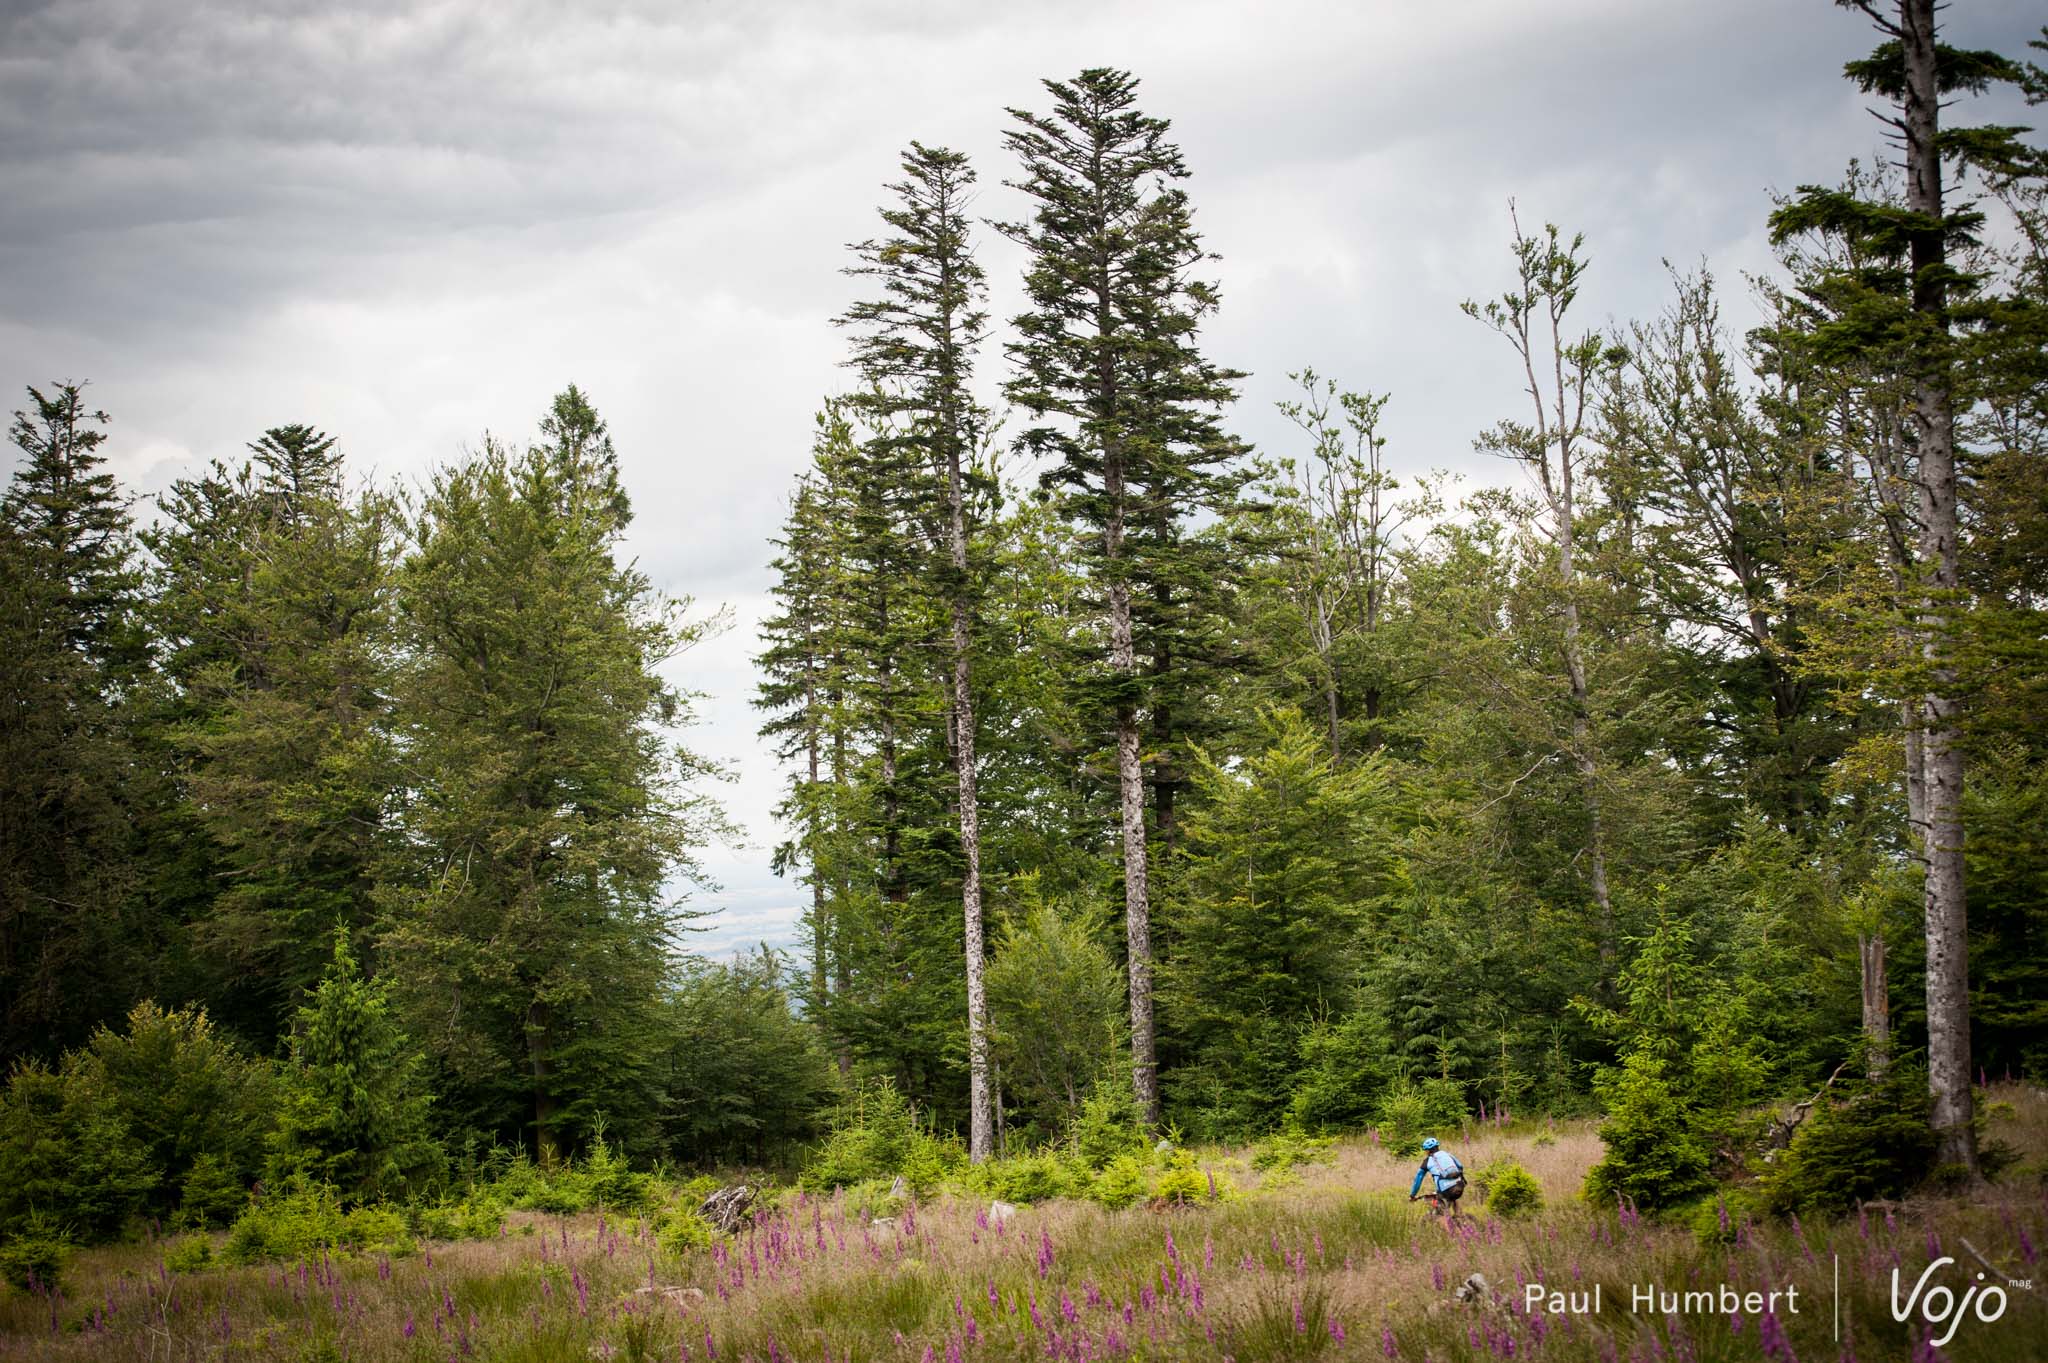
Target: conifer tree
[73,941]
[272,608]
[355,1103]
[916,345]
[1108,347]
[529,941]
[1917,249]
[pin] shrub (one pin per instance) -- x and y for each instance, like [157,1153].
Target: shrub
[308,1219]
[474,1218]
[213,1196]
[1718,1219]
[871,1136]
[1410,1111]
[1107,1128]
[1285,1150]
[1036,1177]
[1184,1185]
[1654,1156]
[1511,1190]
[33,1257]
[64,1144]
[1875,1142]
[1121,1184]
[608,1183]
[193,1103]
[188,1254]
[682,1230]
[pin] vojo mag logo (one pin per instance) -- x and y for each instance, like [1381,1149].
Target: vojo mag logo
[1940,1309]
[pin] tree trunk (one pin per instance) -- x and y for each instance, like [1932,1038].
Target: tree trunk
[1582,723]
[1948,965]
[1877,1008]
[546,1151]
[980,1111]
[1131,791]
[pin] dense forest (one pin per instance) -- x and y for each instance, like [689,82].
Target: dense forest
[1133,774]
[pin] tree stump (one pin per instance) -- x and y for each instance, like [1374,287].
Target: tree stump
[729,1209]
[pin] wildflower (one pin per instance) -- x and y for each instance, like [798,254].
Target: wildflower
[1044,1253]
[1773,1336]
[1336,1330]
[408,1330]
[1300,1322]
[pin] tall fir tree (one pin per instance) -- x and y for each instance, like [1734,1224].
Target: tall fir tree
[74,943]
[915,345]
[1107,345]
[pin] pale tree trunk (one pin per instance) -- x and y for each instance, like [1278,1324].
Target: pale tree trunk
[980,1110]
[1948,965]
[1131,789]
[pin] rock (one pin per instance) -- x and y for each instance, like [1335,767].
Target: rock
[1475,1288]
[898,1189]
[999,1212]
[668,1292]
[729,1209]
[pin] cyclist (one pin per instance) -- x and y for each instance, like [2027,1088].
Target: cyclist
[1443,1166]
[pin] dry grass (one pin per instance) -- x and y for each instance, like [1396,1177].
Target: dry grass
[1334,1265]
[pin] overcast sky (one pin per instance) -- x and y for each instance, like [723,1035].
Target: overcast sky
[407,223]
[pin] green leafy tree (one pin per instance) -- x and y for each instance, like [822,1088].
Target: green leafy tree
[354,1113]
[1056,999]
[272,604]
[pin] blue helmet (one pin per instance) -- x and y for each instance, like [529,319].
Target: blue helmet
[1429,1144]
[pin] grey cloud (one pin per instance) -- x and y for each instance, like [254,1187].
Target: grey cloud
[411,222]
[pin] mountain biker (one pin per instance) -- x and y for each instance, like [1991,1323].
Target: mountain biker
[1443,1166]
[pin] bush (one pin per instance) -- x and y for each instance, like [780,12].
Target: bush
[1873,1143]
[1410,1111]
[1184,1185]
[33,1257]
[609,1184]
[1654,1156]
[1121,1184]
[871,1137]
[63,1143]
[213,1196]
[1285,1150]
[475,1218]
[194,1104]
[1107,1128]
[188,1254]
[1037,1177]
[1717,1220]
[1511,1190]
[682,1230]
[309,1219]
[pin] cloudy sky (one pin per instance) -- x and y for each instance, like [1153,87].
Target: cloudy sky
[408,223]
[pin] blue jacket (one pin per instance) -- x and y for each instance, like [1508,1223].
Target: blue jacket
[1443,1165]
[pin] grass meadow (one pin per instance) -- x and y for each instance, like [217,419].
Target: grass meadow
[1326,1261]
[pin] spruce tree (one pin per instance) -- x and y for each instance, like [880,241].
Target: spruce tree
[74,940]
[355,1102]
[1108,347]
[916,345]
[530,936]
[1918,248]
